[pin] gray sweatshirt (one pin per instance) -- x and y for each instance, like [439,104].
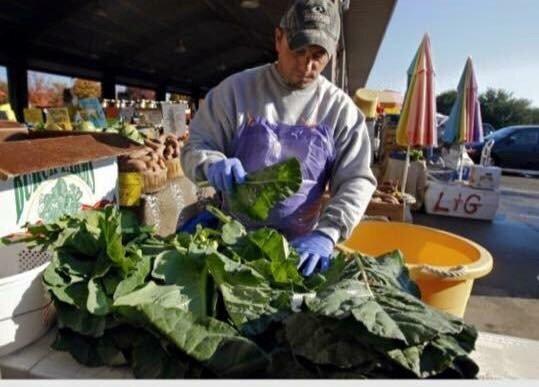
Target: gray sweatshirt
[262,92]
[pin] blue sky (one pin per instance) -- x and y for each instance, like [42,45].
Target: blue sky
[3,74]
[501,36]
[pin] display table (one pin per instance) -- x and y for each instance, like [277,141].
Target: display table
[498,357]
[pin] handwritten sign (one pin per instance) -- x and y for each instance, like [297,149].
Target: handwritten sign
[462,201]
[60,117]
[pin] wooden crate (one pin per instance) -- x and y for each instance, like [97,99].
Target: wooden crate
[394,212]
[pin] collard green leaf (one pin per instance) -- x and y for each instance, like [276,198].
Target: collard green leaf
[264,188]
[92,352]
[135,278]
[322,341]
[98,303]
[189,272]
[214,343]
[80,321]
[227,271]
[339,300]
[75,294]
[232,232]
[151,293]
[389,270]
[151,361]
[112,235]
[73,265]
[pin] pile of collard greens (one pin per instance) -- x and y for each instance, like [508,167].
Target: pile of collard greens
[231,303]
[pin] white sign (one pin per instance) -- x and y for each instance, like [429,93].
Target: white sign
[47,195]
[174,118]
[461,201]
[485,177]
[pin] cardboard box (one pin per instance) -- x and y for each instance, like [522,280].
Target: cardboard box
[42,179]
[485,177]
[460,200]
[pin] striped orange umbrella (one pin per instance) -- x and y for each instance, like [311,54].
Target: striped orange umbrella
[417,122]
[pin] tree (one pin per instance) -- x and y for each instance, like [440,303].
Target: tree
[3,92]
[445,101]
[500,108]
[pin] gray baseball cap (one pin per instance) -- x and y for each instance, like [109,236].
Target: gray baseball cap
[315,22]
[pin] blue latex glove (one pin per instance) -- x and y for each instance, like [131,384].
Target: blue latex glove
[205,219]
[223,174]
[314,250]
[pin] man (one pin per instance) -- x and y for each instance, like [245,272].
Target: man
[268,114]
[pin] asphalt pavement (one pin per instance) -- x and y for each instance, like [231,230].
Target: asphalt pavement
[507,300]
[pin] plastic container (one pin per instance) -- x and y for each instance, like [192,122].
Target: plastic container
[26,310]
[367,101]
[444,265]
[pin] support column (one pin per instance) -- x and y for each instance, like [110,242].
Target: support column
[18,86]
[109,85]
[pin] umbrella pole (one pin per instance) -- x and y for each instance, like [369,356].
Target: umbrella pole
[461,162]
[405,172]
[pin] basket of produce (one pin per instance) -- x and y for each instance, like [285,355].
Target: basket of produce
[141,171]
[389,202]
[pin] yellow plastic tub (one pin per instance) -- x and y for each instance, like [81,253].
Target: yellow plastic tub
[443,264]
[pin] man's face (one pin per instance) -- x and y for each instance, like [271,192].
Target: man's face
[299,67]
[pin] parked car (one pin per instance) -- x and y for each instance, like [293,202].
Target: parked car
[488,128]
[515,147]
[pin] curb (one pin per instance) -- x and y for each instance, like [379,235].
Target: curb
[519,192]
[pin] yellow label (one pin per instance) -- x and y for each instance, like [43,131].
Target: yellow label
[60,117]
[33,116]
[8,112]
[131,184]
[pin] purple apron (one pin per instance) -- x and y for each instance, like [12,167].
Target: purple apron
[260,144]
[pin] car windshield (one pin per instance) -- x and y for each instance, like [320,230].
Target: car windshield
[500,133]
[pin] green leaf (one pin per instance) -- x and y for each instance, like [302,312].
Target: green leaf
[135,278]
[80,321]
[151,361]
[264,188]
[98,303]
[338,300]
[390,270]
[227,271]
[72,264]
[74,294]
[112,234]
[151,293]
[189,271]
[232,231]
[323,341]
[214,343]
[89,351]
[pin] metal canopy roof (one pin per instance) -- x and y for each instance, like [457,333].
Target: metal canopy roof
[187,44]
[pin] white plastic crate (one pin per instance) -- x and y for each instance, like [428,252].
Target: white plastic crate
[26,310]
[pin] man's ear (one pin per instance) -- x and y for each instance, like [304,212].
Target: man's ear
[279,33]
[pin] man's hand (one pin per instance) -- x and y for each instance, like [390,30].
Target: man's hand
[205,219]
[223,174]
[314,250]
